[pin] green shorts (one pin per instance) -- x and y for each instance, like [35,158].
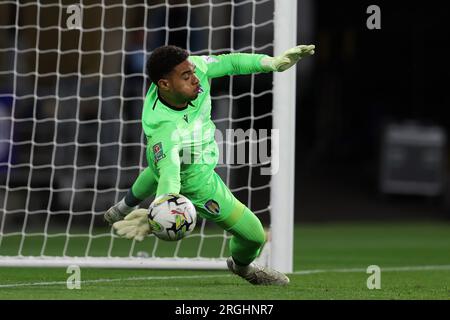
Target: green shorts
[215,202]
[209,194]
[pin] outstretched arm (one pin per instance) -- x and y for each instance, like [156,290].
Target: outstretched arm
[234,64]
[247,63]
[164,152]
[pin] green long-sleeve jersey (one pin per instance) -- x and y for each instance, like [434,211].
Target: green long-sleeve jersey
[181,149]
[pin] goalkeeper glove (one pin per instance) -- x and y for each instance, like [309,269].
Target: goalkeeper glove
[134,226]
[288,58]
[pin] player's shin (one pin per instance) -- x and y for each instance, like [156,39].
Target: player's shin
[248,238]
[245,245]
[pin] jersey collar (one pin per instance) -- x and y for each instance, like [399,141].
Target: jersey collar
[172,107]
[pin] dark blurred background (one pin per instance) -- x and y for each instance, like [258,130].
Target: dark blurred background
[372,115]
[361,83]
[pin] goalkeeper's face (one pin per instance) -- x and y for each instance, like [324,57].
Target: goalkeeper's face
[182,83]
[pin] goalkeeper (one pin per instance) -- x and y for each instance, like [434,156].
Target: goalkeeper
[182,153]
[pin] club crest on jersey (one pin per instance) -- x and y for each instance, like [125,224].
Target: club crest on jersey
[158,152]
[212,206]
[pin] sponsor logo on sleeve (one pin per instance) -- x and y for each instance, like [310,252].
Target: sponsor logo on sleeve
[209,59]
[158,152]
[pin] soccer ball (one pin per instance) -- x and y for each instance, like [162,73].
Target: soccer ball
[172,217]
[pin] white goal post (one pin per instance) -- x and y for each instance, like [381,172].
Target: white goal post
[282,185]
[71,87]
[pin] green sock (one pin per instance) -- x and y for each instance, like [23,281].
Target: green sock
[248,238]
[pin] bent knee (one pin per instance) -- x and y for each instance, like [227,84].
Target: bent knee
[260,240]
[255,240]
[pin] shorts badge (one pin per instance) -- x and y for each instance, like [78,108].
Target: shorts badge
[212,206]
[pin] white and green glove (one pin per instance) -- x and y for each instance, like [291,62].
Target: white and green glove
[288,58]
[134,226]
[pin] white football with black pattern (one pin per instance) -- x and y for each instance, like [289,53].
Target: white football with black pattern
[172,217]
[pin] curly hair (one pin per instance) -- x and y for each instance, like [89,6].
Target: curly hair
[162,61]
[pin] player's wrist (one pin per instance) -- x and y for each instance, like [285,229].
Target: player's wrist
[268,63]
[124,208]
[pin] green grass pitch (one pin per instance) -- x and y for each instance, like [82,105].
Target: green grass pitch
[330,263]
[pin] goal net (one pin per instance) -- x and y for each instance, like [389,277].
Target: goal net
[72,84]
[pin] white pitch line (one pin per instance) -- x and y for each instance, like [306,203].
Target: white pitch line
[13,285]
[300,272]
[347,270]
